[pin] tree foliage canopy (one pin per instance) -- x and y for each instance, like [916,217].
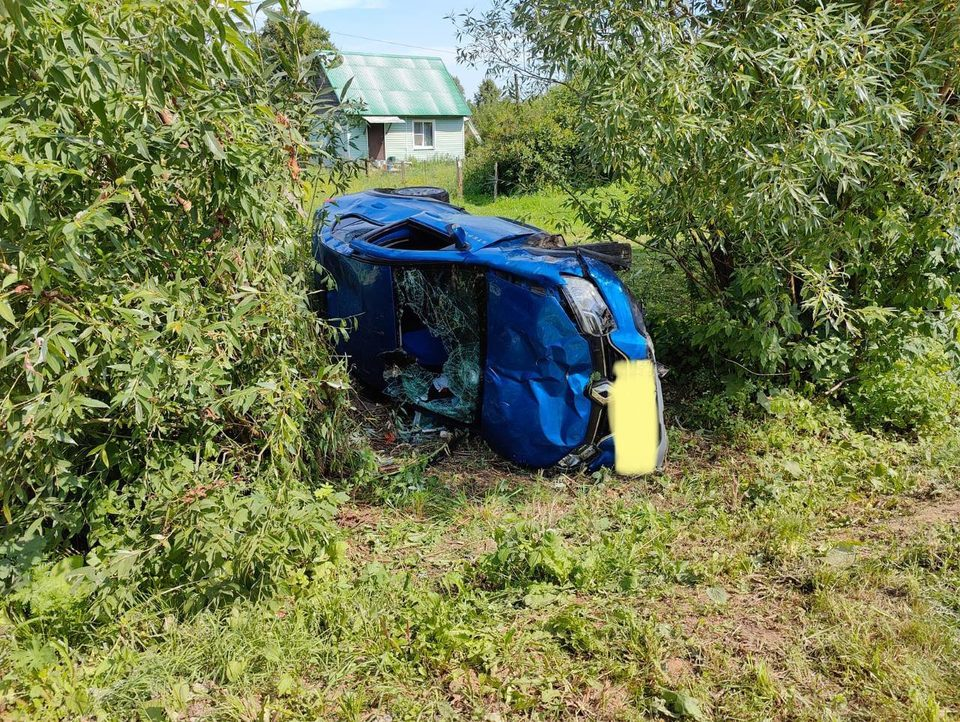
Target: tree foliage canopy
[166,395]
[798,161]
[487,92]
[535,144]
[301,41]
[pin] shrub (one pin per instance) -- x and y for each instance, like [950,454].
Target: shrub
[921,392]
[169,403]
[534,143]
[805,158]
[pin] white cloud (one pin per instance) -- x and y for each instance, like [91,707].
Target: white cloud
[323,6]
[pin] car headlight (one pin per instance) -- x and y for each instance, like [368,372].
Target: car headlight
[591,311]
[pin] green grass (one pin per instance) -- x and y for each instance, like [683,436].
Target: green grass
[784,566]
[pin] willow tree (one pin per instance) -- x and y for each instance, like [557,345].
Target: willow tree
[167,398]
[798,162]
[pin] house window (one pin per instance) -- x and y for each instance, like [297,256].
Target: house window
[423,134]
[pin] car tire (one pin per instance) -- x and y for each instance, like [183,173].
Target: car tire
[437,194]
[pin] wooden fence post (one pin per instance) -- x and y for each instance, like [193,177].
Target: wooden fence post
[403,172]
[496,179]
[460,177]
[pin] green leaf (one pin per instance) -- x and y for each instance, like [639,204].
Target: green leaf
[841,556]
[235,669]
[540,595]
[92,403]
[286,684]
[718,595]
[213,145]
[683,705]
[793,468]
[6,313]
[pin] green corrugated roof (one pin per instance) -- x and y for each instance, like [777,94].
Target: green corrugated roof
[398,85]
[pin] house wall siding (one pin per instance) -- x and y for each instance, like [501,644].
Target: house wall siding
[447,140]
[355,141]
[398,140]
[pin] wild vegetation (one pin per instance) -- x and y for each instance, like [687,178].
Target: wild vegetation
[797,162]
[202,522]
[535,144]
[168,399]
[785,565]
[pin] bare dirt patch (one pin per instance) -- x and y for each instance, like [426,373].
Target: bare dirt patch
[755,622]
[944,510]
[915,518]
[678,669]
[363,516]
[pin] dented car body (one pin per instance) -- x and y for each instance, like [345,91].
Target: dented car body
[488,322]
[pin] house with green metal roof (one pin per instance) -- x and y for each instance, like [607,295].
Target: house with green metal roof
[408,107]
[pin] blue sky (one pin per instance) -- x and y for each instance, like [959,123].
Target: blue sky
[391,26]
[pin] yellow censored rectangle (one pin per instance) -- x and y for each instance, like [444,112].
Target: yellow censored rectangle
[634,418]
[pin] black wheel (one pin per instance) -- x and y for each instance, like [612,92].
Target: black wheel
[437,194]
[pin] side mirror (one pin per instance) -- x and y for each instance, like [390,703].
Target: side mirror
[459,237]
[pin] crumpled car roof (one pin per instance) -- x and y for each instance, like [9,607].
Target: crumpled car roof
[497,243]
[480,231]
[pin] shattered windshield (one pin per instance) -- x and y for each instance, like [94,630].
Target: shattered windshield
[441,322]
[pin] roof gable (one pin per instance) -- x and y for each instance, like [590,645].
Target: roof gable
[398,85]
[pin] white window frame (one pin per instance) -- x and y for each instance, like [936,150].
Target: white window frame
[433,135]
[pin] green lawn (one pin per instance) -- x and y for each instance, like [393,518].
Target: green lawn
[784,566]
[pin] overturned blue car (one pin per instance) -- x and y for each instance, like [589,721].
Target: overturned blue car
[493,324]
